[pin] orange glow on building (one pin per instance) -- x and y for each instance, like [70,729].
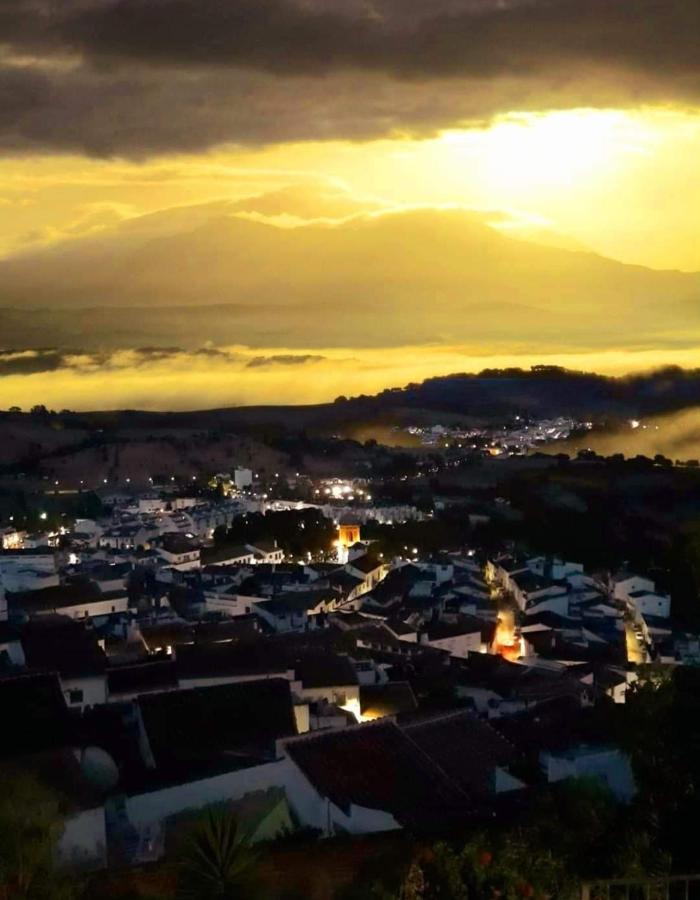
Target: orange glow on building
[348,535]
[506,644]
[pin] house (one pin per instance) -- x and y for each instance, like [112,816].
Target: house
[496,688]
[372,778]
[59,644]
[294,610]
[231,605]
[649,603]
[470,752]
[327,677]
[236,555]
[77,599]
[392,698]
[606,764]
[127,682]
[11,652]
[461,637]
[530,590]
[640,596]
[266,552]
[34,704]
[555,568]
[369,569]
[203,731]
[179,552]
[28,570]
[207,665]
[500,571]
[11,538]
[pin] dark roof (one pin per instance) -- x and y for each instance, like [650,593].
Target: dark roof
[105,571]
[555,726]
[365,564]
[167,634]
[288,602]
[467,749]
[314,667]
[221,554]
[56,597]
[517,681]
[174,542]
[441,629]
[59,644]
[237,628]
[207,660]
[344,580]
[529,582]
[377,766]
[389,699]
[141,678]
[319,670]
[34,714]
[265,546]
[399,627]
[218,728]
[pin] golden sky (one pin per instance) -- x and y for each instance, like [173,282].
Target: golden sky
[573,124]
[555,171]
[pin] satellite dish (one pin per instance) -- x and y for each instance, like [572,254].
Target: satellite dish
[99,769]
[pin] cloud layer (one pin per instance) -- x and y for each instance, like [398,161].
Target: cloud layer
[138,77]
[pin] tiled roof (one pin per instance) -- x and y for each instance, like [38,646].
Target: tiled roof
[467,749]
[141,678]
[377,766]
[214,728]
[59,644]
[34,714]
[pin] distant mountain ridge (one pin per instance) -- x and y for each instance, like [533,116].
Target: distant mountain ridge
[542,391]
[402,277]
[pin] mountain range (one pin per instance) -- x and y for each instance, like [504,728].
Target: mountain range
[233,272]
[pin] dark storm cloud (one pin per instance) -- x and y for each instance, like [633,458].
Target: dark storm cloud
[426,39]
[283,359]
[151,75]
[28,362]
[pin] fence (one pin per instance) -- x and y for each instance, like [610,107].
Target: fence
[676,887]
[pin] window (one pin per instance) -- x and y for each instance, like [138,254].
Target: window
[75,696]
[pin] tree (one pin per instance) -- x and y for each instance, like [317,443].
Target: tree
[30,826]
[216,862]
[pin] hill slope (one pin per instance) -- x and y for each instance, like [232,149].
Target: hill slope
[404,277]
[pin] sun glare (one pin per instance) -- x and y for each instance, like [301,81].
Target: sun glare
[527,153]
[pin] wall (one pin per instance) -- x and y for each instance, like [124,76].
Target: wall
[229,604]
[96,608]
[623,589]
[558,604]
[94,690]
[339,694]
[653,605]
[610,766]
[84,840]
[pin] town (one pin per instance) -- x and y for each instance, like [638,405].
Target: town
[291,658]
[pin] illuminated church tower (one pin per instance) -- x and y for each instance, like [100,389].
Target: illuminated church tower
[348,534]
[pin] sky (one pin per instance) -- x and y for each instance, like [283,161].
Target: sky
[573,123]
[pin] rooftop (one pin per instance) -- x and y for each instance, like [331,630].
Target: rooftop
[377,766]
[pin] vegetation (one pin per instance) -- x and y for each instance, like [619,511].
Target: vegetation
[215,861]
[30,826]
[296,531]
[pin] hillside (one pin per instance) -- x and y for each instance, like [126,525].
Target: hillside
[414,276]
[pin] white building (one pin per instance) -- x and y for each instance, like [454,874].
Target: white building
[242,478]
